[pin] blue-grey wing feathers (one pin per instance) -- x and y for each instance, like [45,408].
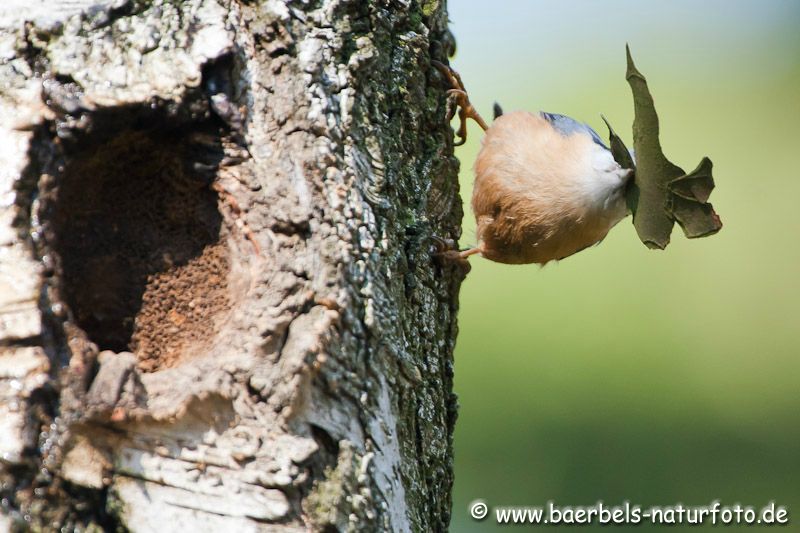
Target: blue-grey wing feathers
[567,126]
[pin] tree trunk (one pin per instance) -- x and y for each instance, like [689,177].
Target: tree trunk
[219,310]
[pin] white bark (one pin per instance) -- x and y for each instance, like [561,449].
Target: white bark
[218,304]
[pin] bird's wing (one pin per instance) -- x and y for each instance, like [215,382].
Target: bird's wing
[567,126]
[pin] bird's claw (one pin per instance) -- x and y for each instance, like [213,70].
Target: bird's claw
[458,93]
[445,250]
[442,245]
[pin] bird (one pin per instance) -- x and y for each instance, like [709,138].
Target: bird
[546,185]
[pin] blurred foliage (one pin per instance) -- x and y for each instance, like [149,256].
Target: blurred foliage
[624,373]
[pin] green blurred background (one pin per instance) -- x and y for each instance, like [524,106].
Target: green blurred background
[623,373]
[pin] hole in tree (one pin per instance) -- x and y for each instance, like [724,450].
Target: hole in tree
[143,264]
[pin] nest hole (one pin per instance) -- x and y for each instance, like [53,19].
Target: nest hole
[143,260]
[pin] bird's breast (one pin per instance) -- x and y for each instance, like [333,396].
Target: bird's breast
[540,195]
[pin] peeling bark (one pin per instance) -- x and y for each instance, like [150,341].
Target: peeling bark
[219,310]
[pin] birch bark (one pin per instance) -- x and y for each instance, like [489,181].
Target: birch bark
[219,310]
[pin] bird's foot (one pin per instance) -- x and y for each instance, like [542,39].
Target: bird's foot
[445,250]
[458,94]
[464,254]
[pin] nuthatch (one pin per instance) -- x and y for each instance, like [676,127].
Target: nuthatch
[546,186]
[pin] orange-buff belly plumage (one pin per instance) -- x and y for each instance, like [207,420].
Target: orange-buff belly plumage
[545,188]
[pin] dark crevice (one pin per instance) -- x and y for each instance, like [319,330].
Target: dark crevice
[319,465]
[35,340]
[327,443]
